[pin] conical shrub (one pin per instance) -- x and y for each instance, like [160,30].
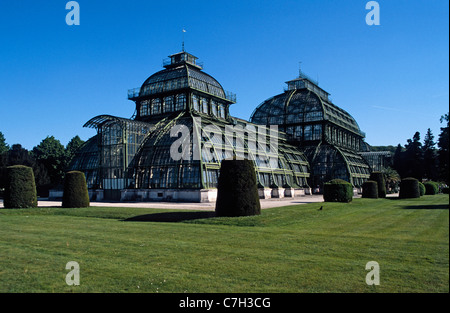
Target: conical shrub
[431,188]
[379,178]
[409,188]
[337,190]
[370,189]
[237,193]
[20,191]
[422,189]
[75,191]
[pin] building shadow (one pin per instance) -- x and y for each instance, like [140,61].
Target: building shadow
[420,206]
[171,217]
[427,207]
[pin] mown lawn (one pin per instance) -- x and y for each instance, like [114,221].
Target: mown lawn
[289,249]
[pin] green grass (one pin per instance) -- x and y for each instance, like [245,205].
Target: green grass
[289,249]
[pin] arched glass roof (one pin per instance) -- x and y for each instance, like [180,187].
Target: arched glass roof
[181,77]
[205,145]
[182,71]
[106,120]
[302,106]
[86,160]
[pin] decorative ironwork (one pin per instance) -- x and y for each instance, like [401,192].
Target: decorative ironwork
[327,134]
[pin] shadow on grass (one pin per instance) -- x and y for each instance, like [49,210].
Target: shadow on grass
[420,206]
[171,217]
[427,207]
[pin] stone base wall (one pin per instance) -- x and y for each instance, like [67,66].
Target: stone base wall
[168,195]
[267,193]
[94,194]
[179,195]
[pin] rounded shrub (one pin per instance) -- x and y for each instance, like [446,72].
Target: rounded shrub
[337,190]
[409,188]
[237,191]
[370,189]
[20,191]
[379,178]
[421,189]
[431,188]
[75,191]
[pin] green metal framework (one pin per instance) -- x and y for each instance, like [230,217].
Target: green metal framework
[329,136]
[208,142]
[86,159]
[118,140]
[149,153]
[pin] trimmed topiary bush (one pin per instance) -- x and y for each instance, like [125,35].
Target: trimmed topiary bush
[421,189]
[75,191]
[379,178]
[237,191]
[431,188]
[409,188]
[20,191]
[370,189]
[337,190]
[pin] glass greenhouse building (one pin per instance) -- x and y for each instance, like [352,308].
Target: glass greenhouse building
[171,149]
[329,137]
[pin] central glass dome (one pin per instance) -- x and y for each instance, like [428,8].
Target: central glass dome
[181,71]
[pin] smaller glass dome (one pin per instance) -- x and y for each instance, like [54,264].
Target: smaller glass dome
[302,106]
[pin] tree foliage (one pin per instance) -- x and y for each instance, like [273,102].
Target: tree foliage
[392,179]
[51,153]
[49,161]
[74,144]
[424,161]
[443,153]
[3,145]
[18,155]
[430,165]
[414,157]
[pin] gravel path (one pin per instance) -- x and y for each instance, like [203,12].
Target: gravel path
[265,203]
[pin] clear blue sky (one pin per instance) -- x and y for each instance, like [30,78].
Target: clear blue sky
[392,78]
